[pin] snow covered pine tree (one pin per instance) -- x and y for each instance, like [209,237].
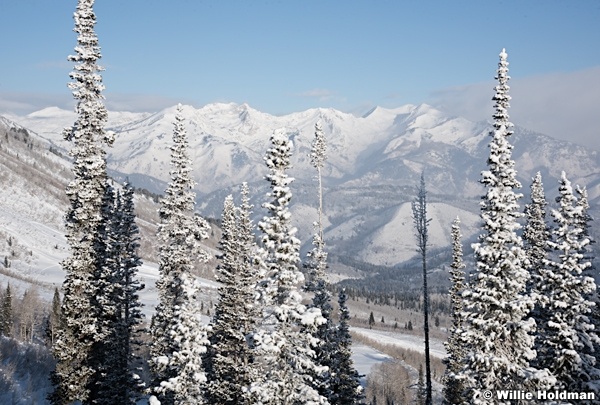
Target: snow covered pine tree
[228,361]
[73,377]
[566,332]
[345,381]
[317,283]
[282,343]
[536,235]
[497,305]
[453,387]
[123,383]
[179,339]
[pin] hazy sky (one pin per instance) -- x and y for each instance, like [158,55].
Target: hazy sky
[287,55]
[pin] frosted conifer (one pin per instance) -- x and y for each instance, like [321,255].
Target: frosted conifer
[567,334]
[344,381]
[6,312]
[283,344]
[123,380]
[55,319]
[72,348]
[178,336]
[453,387]
[318,283]
[229,358]
[105,300]
[318,155]
[497,323]
[317,262]
[585,220]
[536,234]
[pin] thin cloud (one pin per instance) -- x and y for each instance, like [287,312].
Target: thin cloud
[141,102]
[392,96]
[21,103]
[25,103]
[64,65]
[321,94]
[562,105]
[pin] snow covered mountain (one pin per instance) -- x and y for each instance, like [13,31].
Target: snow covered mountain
[373,166]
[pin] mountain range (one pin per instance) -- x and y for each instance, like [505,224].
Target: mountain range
[370,176]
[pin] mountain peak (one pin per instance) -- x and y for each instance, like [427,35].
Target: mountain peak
[379,111]
[51,112]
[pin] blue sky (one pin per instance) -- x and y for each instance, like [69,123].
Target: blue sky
[287,55]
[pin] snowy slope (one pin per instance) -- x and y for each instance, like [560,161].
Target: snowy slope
[405,341]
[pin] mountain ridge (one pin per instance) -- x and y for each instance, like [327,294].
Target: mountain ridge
[373,166]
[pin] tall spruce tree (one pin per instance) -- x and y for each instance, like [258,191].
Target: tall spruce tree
[123,383]
[54,321]
[453,387]
[178,338]
[6,312]
[105,285]
[229,358]
[318,283]
[283,344]
[419,212]
[584,220]
[566,335]
[497,323]
[344,381]
[318,155]
[588,255]
[72,377]
[536,234]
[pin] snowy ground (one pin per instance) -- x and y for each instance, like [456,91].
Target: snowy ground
[365,357]
[411,342]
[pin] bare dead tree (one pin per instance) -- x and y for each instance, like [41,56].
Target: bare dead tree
[419,210]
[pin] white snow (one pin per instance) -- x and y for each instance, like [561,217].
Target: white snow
[405,341]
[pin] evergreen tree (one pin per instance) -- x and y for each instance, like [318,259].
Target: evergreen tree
[318,283]
[318,155]
[567,333]
[453,387]
[123,385]
[178,338]
[72,377]
[106,289]
[283,344]
[419,209]
[585,220]
[228,361]
[345,381]
[6,313]
[536,234]
[497,326]
[55,320]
